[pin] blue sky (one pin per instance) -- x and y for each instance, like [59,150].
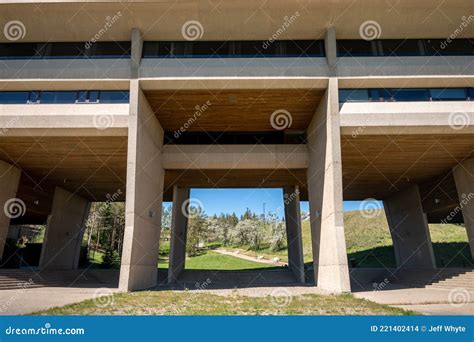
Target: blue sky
[216,201]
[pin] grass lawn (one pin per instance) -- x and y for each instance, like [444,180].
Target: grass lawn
[210,260]
[200,303]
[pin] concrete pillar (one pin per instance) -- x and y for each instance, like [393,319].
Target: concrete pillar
[179,227]
[331,271]
[136,53]
[291,198]
[409,229]
[9,180]
[144,195]
[64,231]
[330,47]
[464,178]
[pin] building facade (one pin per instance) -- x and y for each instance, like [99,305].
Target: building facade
[139,101]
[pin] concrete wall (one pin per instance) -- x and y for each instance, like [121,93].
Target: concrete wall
[325,195]
[64,231]
[179,227]
[145,177]
[464,177]
[9,180]
[235,157]
[409,229]
[294,238]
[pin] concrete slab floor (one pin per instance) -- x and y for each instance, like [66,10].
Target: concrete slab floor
[429,301]
[25,301]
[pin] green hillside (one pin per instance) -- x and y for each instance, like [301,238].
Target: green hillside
[369,243]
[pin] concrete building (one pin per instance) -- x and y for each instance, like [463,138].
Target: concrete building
[139,101]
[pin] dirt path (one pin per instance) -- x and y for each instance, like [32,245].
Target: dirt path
[250,258]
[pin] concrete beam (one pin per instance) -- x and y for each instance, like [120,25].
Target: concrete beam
[179,227]
[185,157]
[291,199]
[464,178]
[331,271]
[381,118]
[145,177]
[409,229]
[10,208]
[64,231]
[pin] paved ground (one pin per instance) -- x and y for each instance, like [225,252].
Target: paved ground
[237,254]
[429,301]
[24,301]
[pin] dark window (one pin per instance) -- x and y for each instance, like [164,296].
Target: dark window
[356,48]
[19,50]
[58,96]
[82,96]
[397,47]
[13,97]
[222,49]
[448,94]
[93,96]
[352,95]
[411,95]
[110,49]
[471,94]
[34,97]
[455,47]
[239,138]
[113,96]
[69,50]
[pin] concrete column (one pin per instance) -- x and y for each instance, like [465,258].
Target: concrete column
[144,195]
[331,271]
[136,53]
[179,227]
[330,46]
[64,230]
[409,229]
[291,198]
[9,180]
[464,178]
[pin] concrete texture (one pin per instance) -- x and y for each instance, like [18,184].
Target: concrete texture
[179,227]
[331,271]
[145,177]
[64,230]
[291,200]
[424,300]
[9,180]
[409,229]
[235,157]
[24,301]
[464,178]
